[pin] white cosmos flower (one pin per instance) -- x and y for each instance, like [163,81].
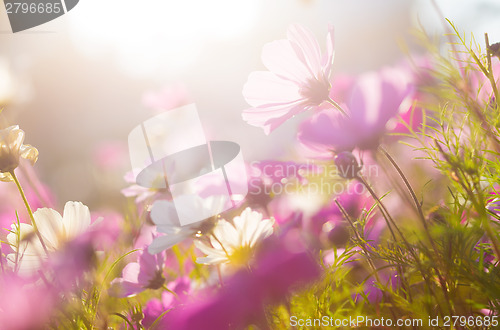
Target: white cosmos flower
[55,231]
[234,242]
[166,218]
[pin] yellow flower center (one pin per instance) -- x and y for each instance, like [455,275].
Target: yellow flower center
[241,256]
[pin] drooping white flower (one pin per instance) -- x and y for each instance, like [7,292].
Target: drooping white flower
[234,242]
[11,149]
[54,229]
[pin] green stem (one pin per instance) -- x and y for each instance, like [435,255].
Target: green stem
[490,76]
[170,291]
[28,208]
[389,220]
[336,105]
[362,244]
[418,206]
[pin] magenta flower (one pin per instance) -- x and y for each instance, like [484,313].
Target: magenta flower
[326,220]
[24,305]
[494,204]
[147,273]
[376,98]
[298,79]
[155,307]
[67,267]
[283,264]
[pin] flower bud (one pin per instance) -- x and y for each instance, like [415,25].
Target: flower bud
[495,49]
[347,165]
[339,235]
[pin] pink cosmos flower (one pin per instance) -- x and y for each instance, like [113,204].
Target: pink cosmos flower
[376,98]
[329,222]
[147,273]
[67,267]
[107,225]
[282,265]
[154,308]
[298,79]
[494,206]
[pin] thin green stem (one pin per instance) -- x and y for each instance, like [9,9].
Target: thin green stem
[389,220]
[164,287]
[491,77]
[28,208]
[383,210]
[367,254]
[418,205]
[337,106]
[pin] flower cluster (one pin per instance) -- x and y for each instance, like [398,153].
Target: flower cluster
[413,233]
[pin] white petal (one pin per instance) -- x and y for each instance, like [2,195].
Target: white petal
[226,234]
[27,264]
[264,230]
[165,242]
[50,225]
[76,219]
[211,260]
[208,250]
[164,214]
[28,241]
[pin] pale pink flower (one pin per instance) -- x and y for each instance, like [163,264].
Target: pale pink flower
[147,273]
[376,98]
[298,79]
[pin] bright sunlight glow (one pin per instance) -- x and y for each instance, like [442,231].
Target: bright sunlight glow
[147,36]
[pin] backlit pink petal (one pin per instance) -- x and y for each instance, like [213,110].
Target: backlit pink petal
[324,129]
[151,265]
[131,272]
[271,117]
[121,288]
[298,79]
[281,58]
[376,97]
[329,57]
[308,47]
[264,87]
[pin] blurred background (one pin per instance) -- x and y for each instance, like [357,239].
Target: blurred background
[79,84]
